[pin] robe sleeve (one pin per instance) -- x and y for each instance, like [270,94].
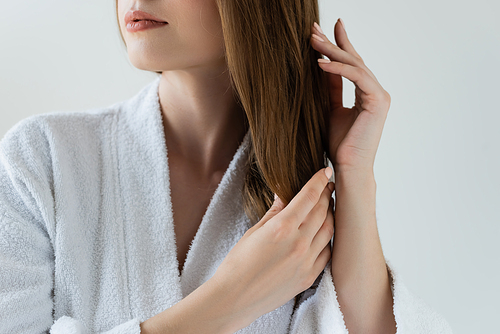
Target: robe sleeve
[319,310]
[27,258]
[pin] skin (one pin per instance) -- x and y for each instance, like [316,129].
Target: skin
[195,82]
[358,265]
[203,124]
[284,253]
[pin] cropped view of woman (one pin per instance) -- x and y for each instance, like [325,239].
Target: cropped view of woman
[234,193]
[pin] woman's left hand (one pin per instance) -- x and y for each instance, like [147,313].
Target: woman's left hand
[353,133]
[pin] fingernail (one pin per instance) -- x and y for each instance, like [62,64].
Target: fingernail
[275,196]
[319,28]
[328,172]
[323,60]
[342,23]
[316,37]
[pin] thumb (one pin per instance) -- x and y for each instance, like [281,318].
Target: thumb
[276,208]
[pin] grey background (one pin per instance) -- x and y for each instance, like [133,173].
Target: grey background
[437,165]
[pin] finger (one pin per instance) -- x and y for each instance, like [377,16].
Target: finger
[343,52]
[344,43]
[332,51]
[300,206]
[325,233]
[275,208]
[331,186]
[322,44]
[322,260]
[336,54]
[357,75]
[314,220]
[334,81]
[342,40]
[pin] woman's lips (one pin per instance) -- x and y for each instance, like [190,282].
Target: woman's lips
[141,25]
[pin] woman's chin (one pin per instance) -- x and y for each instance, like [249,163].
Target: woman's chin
[146,64]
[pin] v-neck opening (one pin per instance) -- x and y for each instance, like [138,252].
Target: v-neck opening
[209,208]
[242,146]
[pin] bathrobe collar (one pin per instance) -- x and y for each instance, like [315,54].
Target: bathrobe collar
[143,150]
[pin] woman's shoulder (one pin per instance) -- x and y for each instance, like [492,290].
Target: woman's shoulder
[77,133]
[71,124]
[62,120]
[54,128]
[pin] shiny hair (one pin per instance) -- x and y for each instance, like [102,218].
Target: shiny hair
[277,81]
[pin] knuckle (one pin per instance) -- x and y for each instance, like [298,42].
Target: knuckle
[331,216]
[306,281]
[387,97]
[359,62]
[363,73]
[333,48]
[301,247]
[304,284]
[325,203]
[310,279]
[321,207]
[274,210]
[282,230]
[311,196]
[342,68]
[329,229]
[291,218]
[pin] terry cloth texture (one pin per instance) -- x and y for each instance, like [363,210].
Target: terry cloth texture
[87,241]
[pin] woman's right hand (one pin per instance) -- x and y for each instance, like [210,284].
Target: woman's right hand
[281,255]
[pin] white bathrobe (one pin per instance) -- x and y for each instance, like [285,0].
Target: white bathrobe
[87,241]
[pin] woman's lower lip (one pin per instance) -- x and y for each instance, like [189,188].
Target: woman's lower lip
[135,26]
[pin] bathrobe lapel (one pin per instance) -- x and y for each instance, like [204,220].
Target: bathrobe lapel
[155,284]
[222,226]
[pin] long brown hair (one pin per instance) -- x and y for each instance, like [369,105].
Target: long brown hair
[276,79]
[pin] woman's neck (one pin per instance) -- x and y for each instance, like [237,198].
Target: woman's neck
[203,122]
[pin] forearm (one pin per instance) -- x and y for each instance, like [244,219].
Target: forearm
[358,264]
[205,310]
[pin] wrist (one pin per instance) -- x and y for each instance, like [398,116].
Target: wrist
[205,310]
[361,178]
[355,193]
[225,301]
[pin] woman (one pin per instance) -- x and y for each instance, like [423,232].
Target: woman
[245,110]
